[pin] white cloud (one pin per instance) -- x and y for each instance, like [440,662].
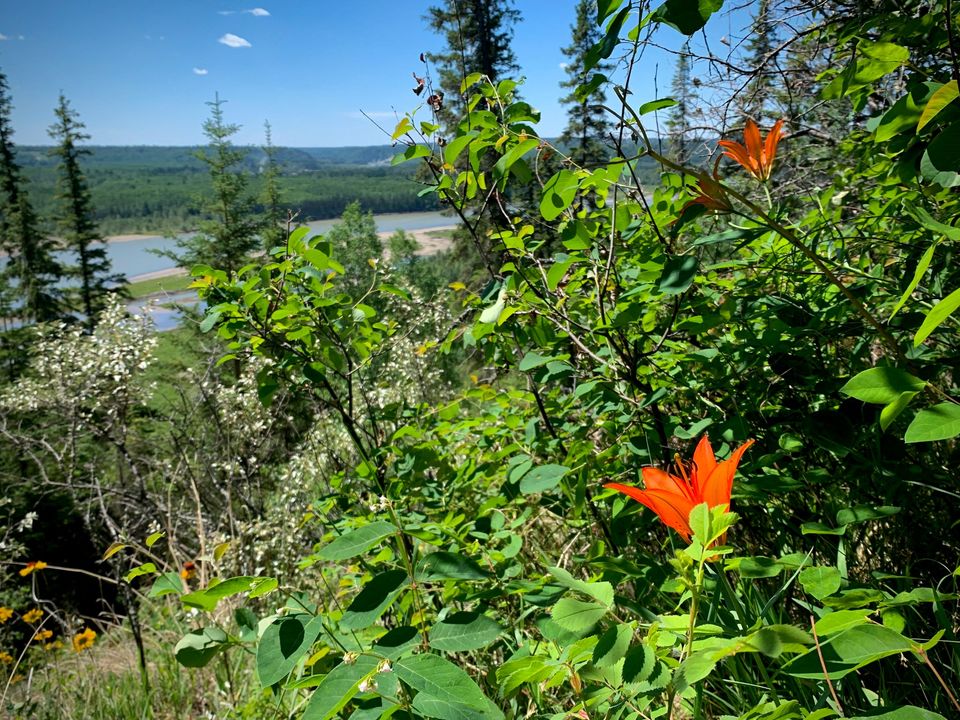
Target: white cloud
[226,12]
[234,41]
[200,71]
[3,37]
[564,66]
[20,37]
[258,12]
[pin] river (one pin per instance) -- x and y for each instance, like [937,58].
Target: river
[135,257]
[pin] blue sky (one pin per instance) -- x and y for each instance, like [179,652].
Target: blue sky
[141,71]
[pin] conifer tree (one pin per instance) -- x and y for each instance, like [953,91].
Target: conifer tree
[355,243]
[477,35]
[757,95]
[274,217]
[678,121]
[226,241]
[76,221]
[587,121]
[29,283]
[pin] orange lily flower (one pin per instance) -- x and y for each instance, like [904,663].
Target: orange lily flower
[755,155]
[711,195]
[672,497]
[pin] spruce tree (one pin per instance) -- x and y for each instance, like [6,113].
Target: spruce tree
[274,230]
[29,282]
[678,121]
[587,121]
[477,35]
[756,97]
[225,241]
[76,220]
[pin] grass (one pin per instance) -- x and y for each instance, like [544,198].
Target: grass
[159,286]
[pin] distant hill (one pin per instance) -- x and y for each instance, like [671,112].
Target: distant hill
[159,158]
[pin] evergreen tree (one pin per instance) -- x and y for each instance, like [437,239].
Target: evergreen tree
[477,34]
[76,221]
[227,240]
[756,96]
[679,118]
[29,286]
[355,243]
[587,121]
[274,230]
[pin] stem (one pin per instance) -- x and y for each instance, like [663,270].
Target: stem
[926,658]
[823,665]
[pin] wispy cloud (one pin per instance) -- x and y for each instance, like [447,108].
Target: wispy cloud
[226,12]
[200,71]
[258,12]
[234,41]
[3,37]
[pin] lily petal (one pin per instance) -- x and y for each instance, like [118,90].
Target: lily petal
[672,509]
[770,147]
[657,479]
[718,485]
[705,461]
[751,138]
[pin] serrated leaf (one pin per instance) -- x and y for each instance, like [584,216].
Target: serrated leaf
[577,616]
[612,645]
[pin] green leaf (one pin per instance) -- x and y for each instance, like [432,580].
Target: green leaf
[152,538]
[167,584]
[881,385]
[917,277]
[491,313]
[840,620]
[942,97]
[820,581]
[774,640]
[542,478]
[891,411]
[907,712]
[440,680]
[678,274]
[377,595]
[512,155]
[411,153]
[558,193]
[930,223]
[937,315]
[940,422]
[759,567]
[199,647]
[849,650]
[464,631]
[613,645]
[600,591]
[577,616]
[357,541]
[865,513]
[449,566]
[339,687]
[941,160]
[283,644]
[533,360]
[608,42]
[687,16]
[654,105]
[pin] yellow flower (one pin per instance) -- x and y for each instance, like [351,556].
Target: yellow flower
[84,640]
[43,635]
[31,616]
[5,614]
[5,657]
[31,566]
[55,645]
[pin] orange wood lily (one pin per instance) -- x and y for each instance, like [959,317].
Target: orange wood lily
[672,497]
[754,154]
[711,195]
